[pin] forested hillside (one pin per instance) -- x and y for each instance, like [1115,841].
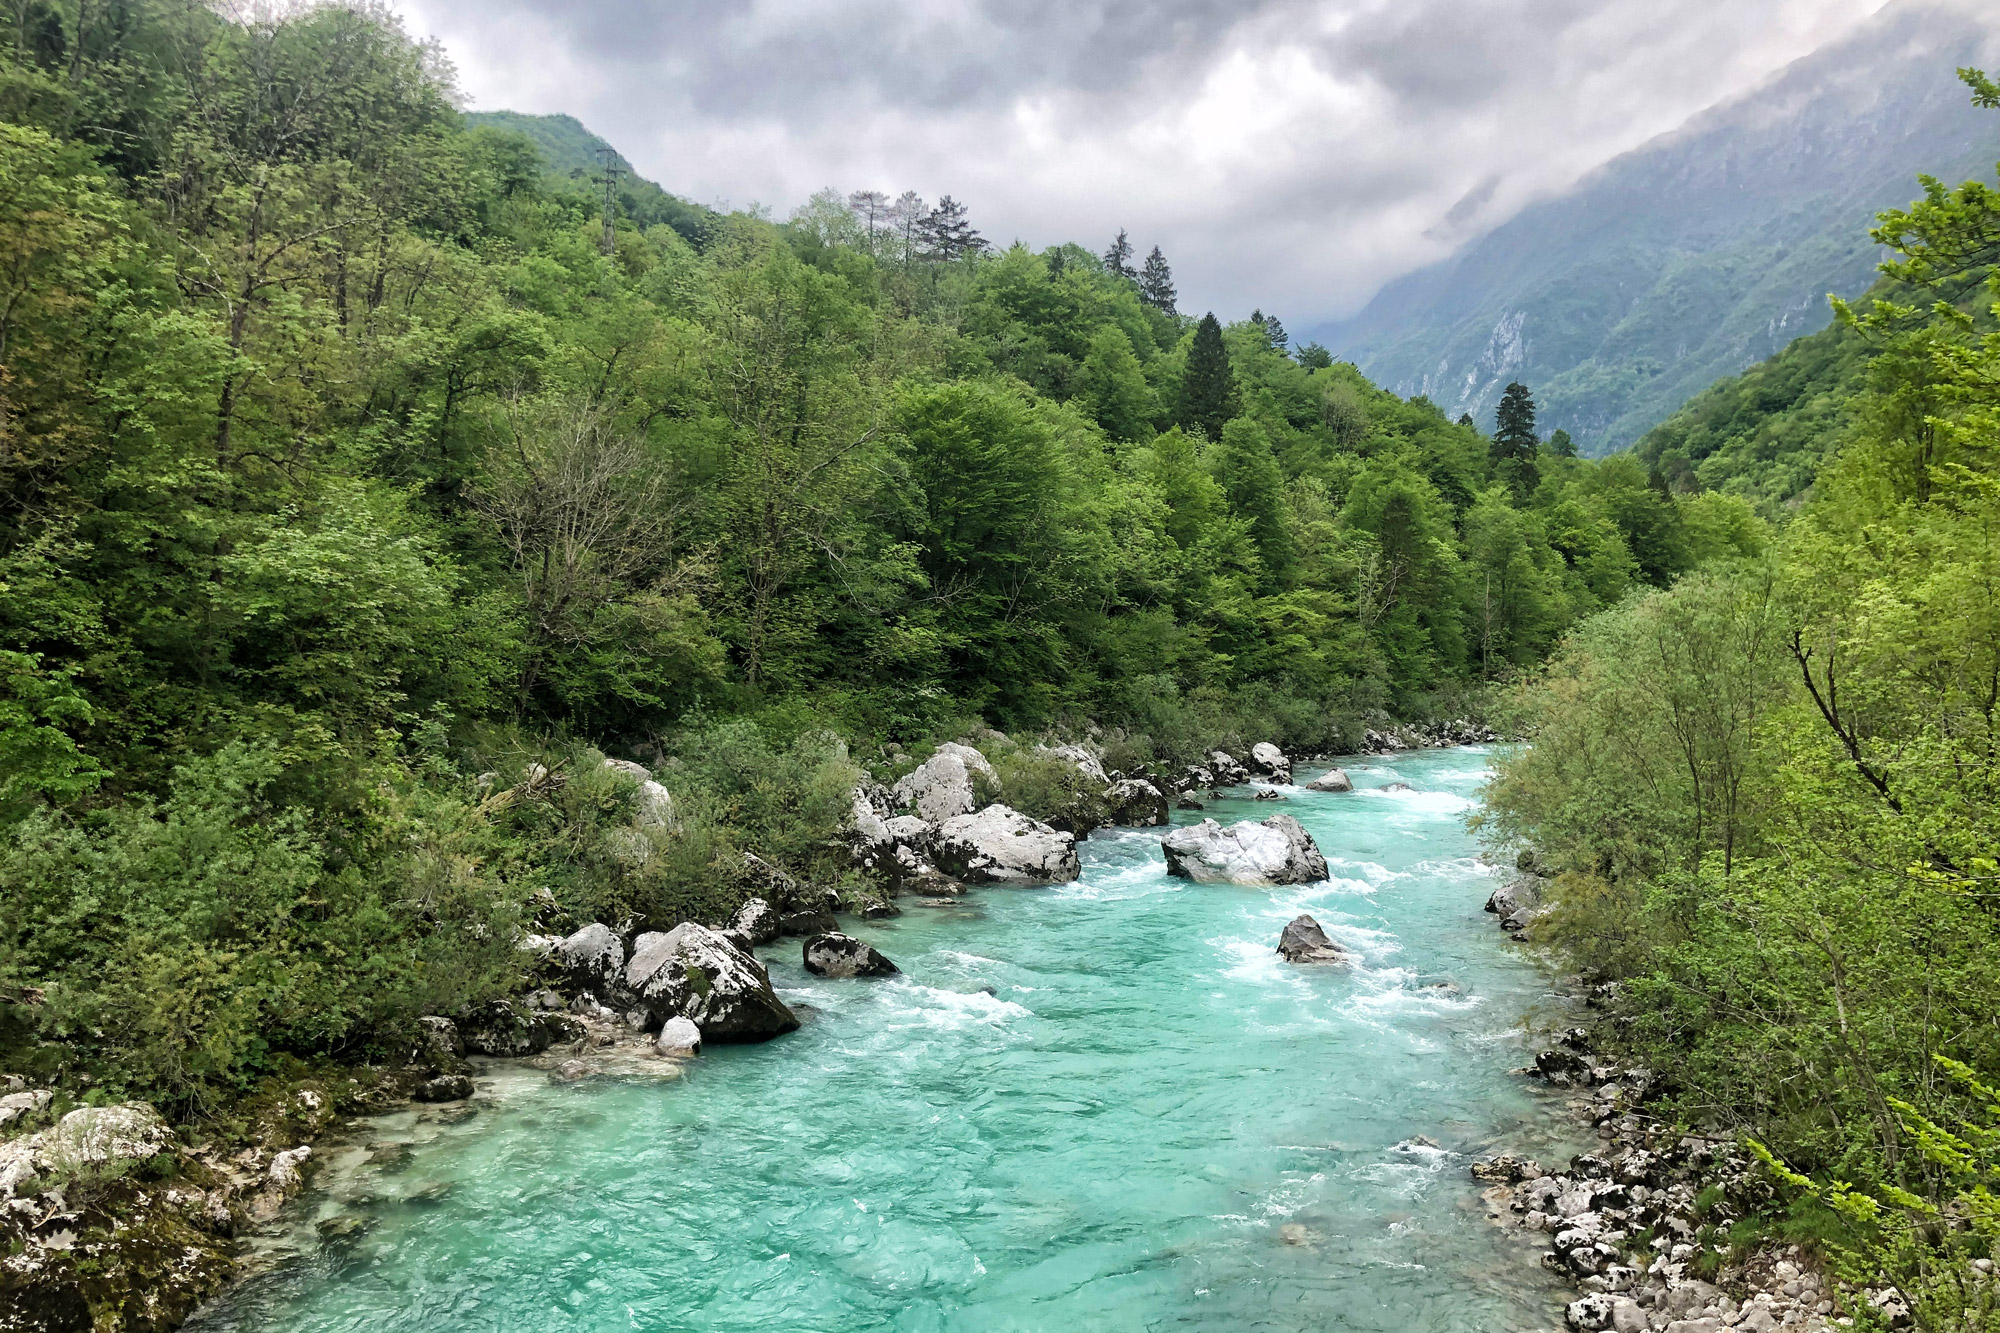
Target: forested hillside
[1765,799]
[349,474]
[1697,254]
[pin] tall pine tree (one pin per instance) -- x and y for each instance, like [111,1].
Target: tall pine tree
[1514,439]
[1118,259]
[1156,283]
[1208,386]
[947,233]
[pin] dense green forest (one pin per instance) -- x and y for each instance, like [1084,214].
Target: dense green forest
[1770,793]
[350,468]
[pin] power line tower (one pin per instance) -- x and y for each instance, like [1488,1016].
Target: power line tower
[609,157]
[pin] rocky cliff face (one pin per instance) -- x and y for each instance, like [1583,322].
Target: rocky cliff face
[1701,252]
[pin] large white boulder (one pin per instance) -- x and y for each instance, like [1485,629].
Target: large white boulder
[1277,850]
[89,1135]
[999,845]
[943,785]
[1268,761]
[694,972]
[1334,779]
[1227,772]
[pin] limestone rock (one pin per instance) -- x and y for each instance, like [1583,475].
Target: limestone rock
[16,1105]
[758,921]
[1136,802]
[444,1088]
[1277,850]
[505,1029]
[1082,760]
[590,960]
[693,972]
[943,785]
[1268,761]
[1334,779]
[678,1036]
[1227,772]
[1304,942]
[815,922]
[131,1131]
[838,955]
[999,845]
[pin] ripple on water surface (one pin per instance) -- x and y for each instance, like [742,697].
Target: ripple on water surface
[1103,1106]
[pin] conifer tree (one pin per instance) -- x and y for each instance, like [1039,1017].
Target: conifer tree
[1156,284]
[1514,424]
[1314,357]
[1280,340]
[871,209]
[1514,440]
[1118,259]
[1561,445]
[1208,386]
[947,233]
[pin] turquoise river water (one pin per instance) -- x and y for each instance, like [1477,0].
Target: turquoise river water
[1105,1105]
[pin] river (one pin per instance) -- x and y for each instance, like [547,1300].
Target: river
[1105,1105]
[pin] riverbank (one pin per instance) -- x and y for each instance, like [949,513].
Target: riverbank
[239,1184]
[1644,1226]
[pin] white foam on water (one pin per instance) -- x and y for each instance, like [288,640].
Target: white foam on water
[1425,802]
[950,1010]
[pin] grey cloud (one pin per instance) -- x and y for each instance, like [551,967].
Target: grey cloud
[1293,154]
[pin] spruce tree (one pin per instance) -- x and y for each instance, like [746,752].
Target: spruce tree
[1118,259]
[1314,357]
[1514,440]
[1514,424]
[1208,386]
[1156,284]
[1561,445]
[1280,340]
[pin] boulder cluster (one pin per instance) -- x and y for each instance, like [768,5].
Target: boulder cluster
[1426,736]
[1519,900]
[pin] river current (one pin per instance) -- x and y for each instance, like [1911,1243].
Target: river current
[1104,1105]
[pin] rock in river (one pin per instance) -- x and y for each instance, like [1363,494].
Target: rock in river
[1277,850]
[1304,942]
[1004,846]
[1268,761]
[693,972]
[1137,802]
[678,1036]
[757,919]
[1334,779]
[838,955]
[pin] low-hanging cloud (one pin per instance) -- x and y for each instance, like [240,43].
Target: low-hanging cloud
[1289,154]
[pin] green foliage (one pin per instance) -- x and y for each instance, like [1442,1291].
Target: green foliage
[342,465]
[1772,787]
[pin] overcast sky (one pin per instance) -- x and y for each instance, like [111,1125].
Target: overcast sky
[1288,154]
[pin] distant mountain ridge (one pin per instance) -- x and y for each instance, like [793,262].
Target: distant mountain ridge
[1698,254]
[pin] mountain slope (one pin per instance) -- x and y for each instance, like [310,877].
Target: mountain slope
[1697,254]
[571,152]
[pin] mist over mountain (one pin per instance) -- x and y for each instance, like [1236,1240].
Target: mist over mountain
[1696,255]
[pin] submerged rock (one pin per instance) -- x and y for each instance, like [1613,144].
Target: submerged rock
[1304,942]
[1334,779]
[693,972]
[1134,801]
[1277,850]
[838,955]
[1004,846]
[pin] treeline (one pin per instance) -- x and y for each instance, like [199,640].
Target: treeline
[345,466]
[1772,791]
